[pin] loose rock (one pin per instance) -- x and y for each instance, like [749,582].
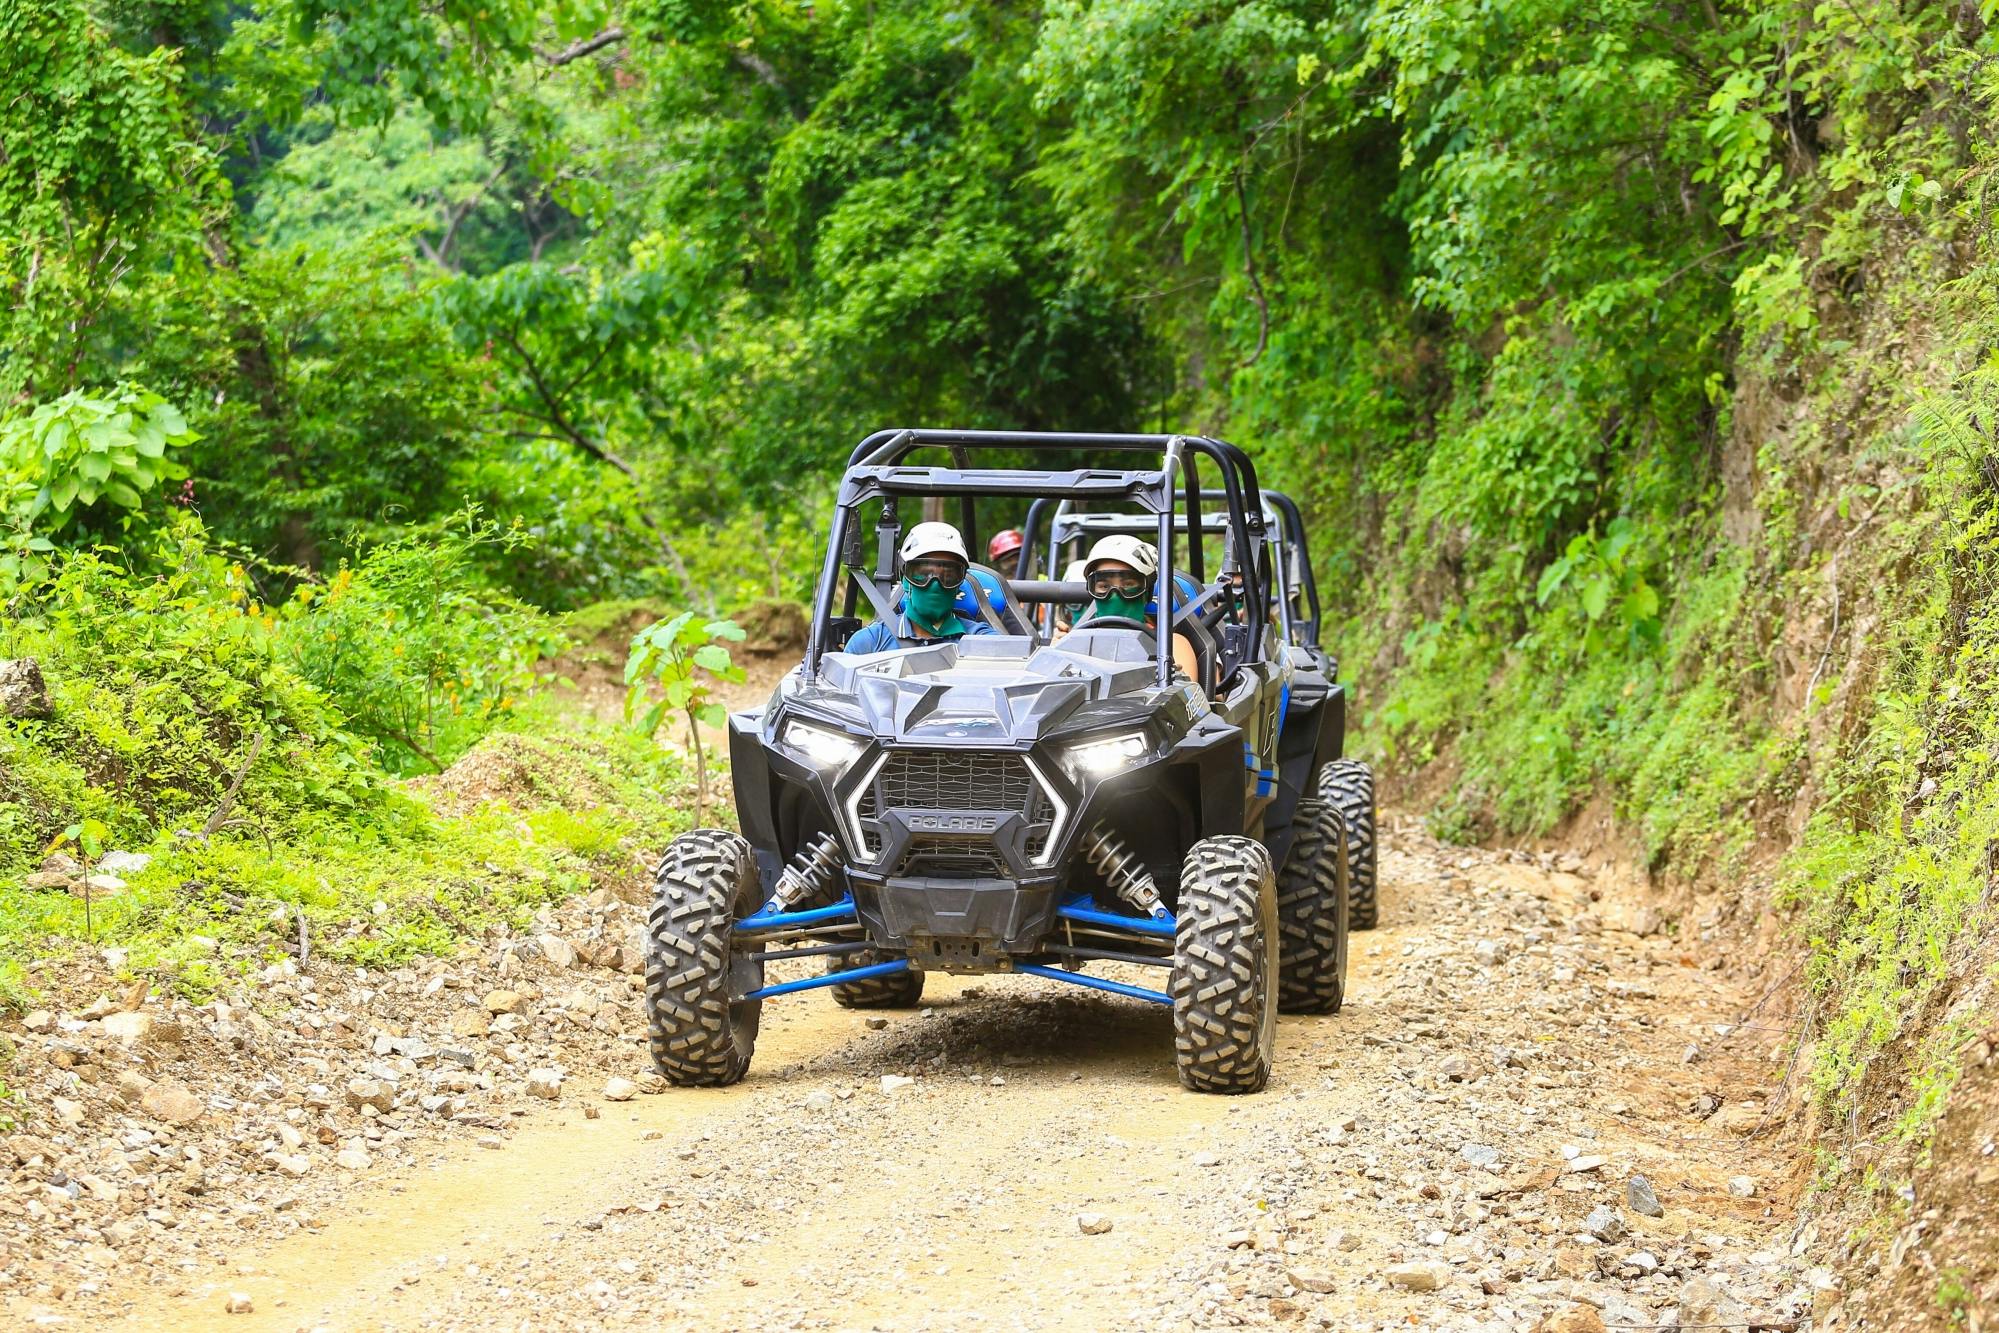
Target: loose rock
[1576,1319]
[545,1084]
[23,692]
[505,1002]
[1092,1224]
[1703,1302]
[1604,1223]
[620,1090]
[1429,1276]
[1640,1199]
[171,1103]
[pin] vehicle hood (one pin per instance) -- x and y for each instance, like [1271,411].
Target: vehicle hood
[985,690]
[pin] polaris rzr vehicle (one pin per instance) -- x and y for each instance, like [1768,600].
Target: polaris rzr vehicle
[1003,803]
[1346,784]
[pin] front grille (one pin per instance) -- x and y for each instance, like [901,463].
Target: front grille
[952,858]
[952,780]
[956,780]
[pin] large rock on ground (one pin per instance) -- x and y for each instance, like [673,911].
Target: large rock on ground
[171,1103]
[23,693]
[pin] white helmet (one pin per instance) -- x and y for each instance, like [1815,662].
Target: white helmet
[934,539]
[1074,573]
[1140,555]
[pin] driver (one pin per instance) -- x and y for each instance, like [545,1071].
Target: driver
[933,569]
[1119,573]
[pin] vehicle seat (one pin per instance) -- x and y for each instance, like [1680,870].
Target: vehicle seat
[994,588]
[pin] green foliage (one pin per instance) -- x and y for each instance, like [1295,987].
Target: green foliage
[1606,575]
[103,178]
[684,657]
[416,654]
[68,454]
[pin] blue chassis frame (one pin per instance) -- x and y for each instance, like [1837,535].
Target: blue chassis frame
[765,921]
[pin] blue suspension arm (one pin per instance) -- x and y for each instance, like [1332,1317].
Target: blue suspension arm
[1077,909]
[764,919]
[831,979]
[1094,983]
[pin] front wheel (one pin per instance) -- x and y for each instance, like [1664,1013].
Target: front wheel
[1312,905]
[1225,967]
[700,1035]
[1348,786]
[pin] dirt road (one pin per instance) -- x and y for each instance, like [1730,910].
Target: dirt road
[1434,1157]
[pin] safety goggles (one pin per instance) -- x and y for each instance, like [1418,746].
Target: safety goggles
[1104,583]
[921,573]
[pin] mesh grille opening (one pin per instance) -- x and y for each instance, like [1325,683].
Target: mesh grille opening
[955,780]
[953,858]
[961,780]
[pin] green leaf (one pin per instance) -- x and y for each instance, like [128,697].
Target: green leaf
[712,657]
[1596,596]
[714,714]
[1640,604]
[724,629]
[168,419]
[122,495]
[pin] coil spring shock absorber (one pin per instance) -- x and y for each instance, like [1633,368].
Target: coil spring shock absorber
[808,875]
[1121,868]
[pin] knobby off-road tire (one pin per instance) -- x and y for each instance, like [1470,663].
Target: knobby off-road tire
[1312,905]
[897,990]
[1348,786]
[699,1038]
[1224,984]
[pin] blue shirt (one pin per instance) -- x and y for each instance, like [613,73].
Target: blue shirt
[881,636]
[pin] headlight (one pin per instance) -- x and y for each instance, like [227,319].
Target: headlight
[1100,758]
[823,746]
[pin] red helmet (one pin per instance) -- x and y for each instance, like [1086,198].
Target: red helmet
[1003,544]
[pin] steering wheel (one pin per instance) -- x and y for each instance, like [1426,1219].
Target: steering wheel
[1113,622]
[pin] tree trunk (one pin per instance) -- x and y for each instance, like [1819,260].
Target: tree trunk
[700,771]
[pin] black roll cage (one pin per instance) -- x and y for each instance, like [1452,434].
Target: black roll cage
[876,470]
[1290,536]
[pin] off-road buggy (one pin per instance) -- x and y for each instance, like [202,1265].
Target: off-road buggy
[1345,784]
[997,803]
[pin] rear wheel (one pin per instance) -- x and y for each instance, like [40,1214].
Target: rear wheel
[1225,967]
[1312,905]
[897,990]
[1348,786]
[699,1035]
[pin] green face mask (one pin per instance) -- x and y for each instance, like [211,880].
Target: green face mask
[1121,605]
[929,607]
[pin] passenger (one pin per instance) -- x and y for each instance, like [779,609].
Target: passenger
[1065,614]
[1004,550]
[933,569]
[1119,573]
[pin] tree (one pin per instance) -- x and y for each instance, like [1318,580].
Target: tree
[685,657]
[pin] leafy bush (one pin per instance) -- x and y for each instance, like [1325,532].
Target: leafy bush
[417,655]
[161,681]
[67,454]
